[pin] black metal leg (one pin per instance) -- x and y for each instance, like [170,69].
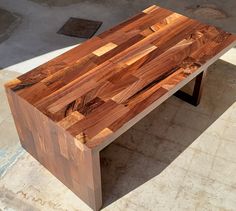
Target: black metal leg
[195,98]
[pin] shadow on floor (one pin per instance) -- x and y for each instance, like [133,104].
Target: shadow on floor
[156,141]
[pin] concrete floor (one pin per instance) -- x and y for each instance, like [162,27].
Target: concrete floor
[189,162]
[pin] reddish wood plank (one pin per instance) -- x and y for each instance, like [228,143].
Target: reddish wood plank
[73,106]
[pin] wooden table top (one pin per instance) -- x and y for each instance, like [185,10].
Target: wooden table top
[98,90]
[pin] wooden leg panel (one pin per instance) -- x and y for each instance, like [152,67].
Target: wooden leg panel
[77,167]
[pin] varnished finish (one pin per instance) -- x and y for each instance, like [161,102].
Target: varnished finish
[70,108]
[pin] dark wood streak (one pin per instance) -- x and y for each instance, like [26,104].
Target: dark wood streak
[153,83]
[70,108]
[22,86]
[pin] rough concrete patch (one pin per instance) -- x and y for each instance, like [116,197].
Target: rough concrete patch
[10,200]
[61,3]
[8,22]
[56,3]
[207,11]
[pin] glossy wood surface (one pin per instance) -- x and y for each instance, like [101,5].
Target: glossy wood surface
[98,86]
[71,107]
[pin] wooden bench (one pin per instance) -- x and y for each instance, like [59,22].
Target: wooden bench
[67,110]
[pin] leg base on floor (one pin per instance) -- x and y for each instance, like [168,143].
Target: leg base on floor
[195,98]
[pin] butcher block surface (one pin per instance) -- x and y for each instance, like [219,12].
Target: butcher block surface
[99,86]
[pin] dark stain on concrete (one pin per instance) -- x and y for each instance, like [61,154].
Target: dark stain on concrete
[8,22]
[207,11]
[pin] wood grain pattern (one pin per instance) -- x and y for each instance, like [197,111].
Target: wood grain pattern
[71,107]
